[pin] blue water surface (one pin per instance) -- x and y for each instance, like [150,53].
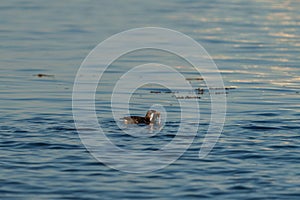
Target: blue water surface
[255,44]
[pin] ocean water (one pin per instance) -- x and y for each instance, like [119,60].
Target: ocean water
[256,46]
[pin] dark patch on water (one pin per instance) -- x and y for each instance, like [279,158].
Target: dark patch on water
[260,128]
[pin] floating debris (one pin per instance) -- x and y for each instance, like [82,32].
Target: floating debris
[155,92]
[43,75]
[159,92]
[225,88]
[220,93]
[188,97]
[230,88]
[199,91]
[194,79]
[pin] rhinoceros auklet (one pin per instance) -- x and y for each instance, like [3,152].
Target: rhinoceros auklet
[152,117]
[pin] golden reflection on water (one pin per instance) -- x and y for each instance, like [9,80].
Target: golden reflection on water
[286,35]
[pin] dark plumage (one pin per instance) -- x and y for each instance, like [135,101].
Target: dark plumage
[151,117]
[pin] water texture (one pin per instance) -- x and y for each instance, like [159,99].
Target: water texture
[255,44]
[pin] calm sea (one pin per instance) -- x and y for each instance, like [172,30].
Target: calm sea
[256,46]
